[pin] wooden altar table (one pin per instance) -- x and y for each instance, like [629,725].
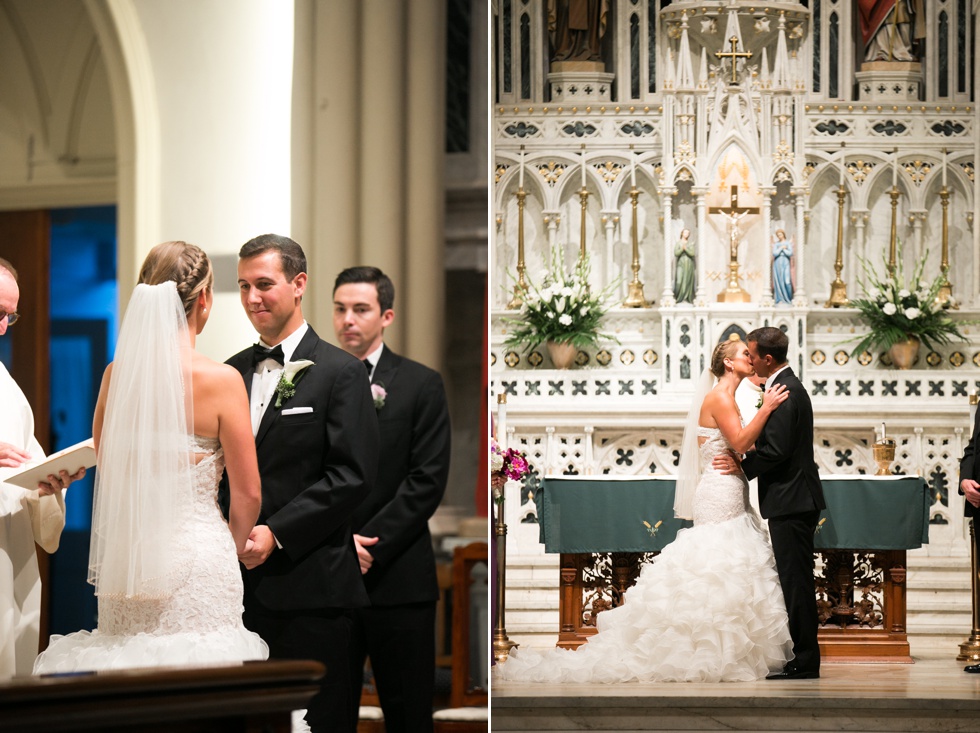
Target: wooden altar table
[245,698]
[606,527]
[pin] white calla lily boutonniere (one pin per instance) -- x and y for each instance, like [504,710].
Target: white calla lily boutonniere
[291,373]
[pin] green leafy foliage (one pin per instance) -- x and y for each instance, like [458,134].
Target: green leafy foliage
[896,308]
[563,309]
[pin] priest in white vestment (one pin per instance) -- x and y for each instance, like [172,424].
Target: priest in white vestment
[26,517]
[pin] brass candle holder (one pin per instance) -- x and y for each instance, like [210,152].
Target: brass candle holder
[501,643]
[583,195]
[838,288]
[945,294]
[635,298]
[892,242]
[521,287]
[884,454]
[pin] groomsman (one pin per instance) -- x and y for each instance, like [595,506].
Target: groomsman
[391,529]
[316,437]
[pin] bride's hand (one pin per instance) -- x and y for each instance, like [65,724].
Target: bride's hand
[774,397]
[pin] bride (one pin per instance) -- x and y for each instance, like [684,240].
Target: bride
[709,608]
[167,422]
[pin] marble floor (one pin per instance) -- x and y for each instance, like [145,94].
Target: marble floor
[933,694]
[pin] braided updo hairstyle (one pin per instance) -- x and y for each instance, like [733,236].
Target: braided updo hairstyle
[725,350]
[183,263]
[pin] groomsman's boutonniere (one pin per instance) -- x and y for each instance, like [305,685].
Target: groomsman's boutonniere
[379,394]
[291,373]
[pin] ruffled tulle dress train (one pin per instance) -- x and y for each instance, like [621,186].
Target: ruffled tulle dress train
[200,624]
[709,608]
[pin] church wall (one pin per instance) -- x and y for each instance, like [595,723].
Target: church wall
[223,87]
[803,115]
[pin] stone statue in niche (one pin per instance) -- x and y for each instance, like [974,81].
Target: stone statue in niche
[782,268]
[684,268]
[890,29]
[576,29]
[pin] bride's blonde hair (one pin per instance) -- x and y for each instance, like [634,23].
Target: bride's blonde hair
[725,350]
[183,263]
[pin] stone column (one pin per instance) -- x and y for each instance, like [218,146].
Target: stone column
[552,220]
[336,167]
[799,297]
[667,192]
[701,295]
[381,140]
[858,220]
[767,297]
[423,252]
[609,219]
[917,219]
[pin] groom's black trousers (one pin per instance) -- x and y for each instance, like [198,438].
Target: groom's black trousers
[792,546]
[321,635]
[401,642]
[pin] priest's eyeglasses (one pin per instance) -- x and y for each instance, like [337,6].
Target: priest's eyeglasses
[11,317]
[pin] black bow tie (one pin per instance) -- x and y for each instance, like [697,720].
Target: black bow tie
[260,354]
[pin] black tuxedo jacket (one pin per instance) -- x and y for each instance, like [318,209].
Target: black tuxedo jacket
[316,467]
[415,447]
[970,467]
[783,456]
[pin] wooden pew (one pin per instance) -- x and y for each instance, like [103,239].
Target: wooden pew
[255,697]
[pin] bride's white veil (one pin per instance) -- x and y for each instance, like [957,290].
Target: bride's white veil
[689,467]
[144,480]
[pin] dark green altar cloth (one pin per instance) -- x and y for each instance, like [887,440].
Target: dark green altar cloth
[585,514]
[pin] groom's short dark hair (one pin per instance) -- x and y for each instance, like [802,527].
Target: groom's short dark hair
[291,255]
[771,341]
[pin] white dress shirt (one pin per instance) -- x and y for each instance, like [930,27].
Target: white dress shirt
[372,359]
[267,375]
[772,377]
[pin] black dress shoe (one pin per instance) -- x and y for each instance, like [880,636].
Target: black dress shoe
[797,674]
[972,668]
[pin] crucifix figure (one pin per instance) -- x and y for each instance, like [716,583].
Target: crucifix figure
[733,293]
[734,55]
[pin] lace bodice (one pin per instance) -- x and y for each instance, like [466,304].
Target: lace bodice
[212,595]
[719,498]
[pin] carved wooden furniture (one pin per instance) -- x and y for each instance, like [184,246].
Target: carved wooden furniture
[255,696]
[605,528]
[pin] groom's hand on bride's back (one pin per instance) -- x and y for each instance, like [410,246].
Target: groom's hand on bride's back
[727,463]
[258,547]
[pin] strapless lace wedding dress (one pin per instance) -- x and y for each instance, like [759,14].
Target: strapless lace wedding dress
[200,624]
[709,608]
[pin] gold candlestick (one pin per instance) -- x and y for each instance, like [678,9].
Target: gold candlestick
[635,298]
[893,192]
[501,644]
[838,288]
[518,300]
[583,194]
[970,649]
[945,287]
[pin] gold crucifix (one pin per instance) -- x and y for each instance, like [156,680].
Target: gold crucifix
[733,293]
[734,55]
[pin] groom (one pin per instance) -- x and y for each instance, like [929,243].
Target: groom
[790,496]
[316,437]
